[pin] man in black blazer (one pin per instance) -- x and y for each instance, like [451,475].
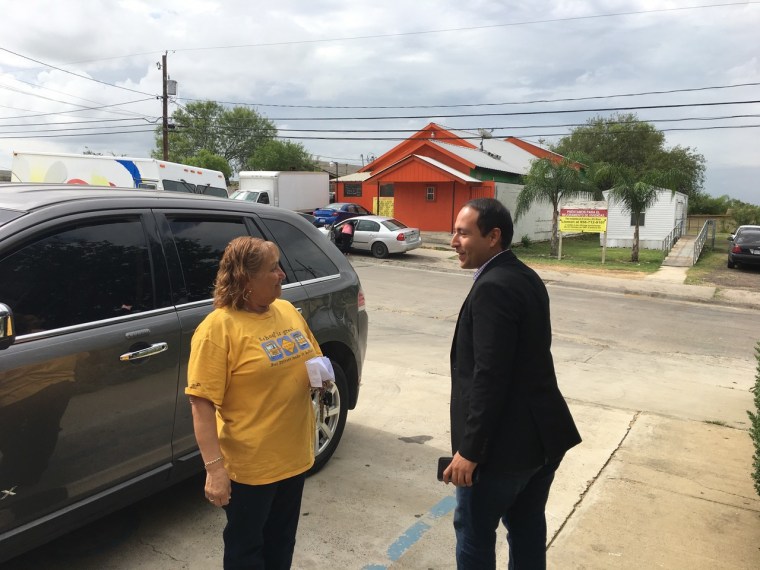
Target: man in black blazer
[508,417]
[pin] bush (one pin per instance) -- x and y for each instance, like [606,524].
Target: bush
[526,241]
[754,428]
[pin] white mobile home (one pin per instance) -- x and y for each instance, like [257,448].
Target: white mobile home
[655,224]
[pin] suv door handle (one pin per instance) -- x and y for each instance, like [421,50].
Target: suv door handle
[144,352]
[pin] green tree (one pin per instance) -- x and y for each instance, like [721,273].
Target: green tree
[550,182]
[746,214]
[281,155]
[635,193]
[624,140]
[701,203]
[234,134]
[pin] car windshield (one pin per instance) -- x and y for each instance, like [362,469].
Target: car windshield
[245,195]
[331,207]
[393,224]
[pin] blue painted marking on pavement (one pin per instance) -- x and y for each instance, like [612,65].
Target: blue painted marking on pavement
[415,532]
[444,507]
[407,540]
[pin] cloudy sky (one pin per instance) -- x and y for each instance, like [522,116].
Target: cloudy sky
[348,79]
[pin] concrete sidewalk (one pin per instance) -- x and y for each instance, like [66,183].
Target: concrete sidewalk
[667,282]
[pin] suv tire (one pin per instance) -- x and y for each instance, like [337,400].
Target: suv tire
[329,432]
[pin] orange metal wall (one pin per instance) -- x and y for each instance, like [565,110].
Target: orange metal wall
[411,207]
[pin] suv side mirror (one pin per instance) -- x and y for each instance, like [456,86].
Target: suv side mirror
[7,327]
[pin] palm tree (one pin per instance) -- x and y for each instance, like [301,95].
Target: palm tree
[550,182]
[635,193]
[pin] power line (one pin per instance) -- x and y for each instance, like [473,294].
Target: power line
[77,135]
[563,100]
[519,113]
[471,28]
[724,117]
[75,110]
[74,74]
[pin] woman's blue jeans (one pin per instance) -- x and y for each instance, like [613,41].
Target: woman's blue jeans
[261,525]
[516,499]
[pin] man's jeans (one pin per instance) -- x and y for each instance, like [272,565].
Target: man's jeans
[518,500]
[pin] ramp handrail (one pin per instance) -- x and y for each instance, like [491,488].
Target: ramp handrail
[699,242]
[672,238]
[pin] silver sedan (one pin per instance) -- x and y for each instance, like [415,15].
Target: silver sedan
[379,235]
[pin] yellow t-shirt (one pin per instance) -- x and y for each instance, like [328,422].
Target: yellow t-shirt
[253,368]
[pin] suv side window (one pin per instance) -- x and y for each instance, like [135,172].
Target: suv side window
[81,273]
[306,259]
[200,243]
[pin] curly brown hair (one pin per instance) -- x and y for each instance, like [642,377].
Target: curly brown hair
[242,259]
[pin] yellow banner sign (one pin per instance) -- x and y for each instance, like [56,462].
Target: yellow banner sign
[582,220]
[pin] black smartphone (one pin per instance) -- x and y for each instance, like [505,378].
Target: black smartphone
[443,463]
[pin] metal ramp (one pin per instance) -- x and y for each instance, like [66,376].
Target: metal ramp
[682,253]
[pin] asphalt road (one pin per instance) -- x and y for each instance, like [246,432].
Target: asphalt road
[377,504]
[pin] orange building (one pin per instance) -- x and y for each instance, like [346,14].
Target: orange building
[425,180]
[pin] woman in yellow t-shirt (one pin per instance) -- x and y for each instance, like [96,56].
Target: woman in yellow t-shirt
[251,401]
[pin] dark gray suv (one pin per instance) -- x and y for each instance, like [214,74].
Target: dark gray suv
[100,292]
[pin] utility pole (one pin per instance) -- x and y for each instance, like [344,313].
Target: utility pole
[166,108]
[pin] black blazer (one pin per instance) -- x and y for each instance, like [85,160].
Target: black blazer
[507,412]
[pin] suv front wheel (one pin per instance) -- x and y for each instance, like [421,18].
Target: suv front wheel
[331,418]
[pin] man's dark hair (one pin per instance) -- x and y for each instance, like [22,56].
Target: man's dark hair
[493,214]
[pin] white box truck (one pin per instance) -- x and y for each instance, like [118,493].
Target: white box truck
[116,171]
[294,190]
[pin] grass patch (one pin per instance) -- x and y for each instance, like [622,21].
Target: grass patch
[584,251]
[708,262]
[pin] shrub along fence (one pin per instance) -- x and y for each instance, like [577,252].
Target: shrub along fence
[754,428]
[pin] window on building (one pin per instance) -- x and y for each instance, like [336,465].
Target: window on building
[352,189]
[642,216]
[386,190]
[430,194]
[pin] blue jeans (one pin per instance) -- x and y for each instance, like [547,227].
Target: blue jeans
[516,499]
[261,525]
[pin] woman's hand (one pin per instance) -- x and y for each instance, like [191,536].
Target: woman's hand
[218,488]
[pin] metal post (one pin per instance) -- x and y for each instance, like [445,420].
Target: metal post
[166,110]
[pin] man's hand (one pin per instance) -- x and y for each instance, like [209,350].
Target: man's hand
[459,471]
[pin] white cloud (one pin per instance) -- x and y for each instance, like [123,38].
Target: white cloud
[295,52]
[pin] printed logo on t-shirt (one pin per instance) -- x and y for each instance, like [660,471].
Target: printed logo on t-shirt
[273,351]
[285,345]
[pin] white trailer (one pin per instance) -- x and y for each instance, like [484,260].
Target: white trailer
[294,190]
[116,171]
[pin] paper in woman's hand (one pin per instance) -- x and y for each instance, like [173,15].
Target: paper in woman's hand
[320,371]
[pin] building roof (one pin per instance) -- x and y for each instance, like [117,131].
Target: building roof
[355,177]
[453,171]
[505,156]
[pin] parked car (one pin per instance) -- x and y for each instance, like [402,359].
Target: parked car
[337,212]
[744,247]
[100,293]
[379,235]
[308,217]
